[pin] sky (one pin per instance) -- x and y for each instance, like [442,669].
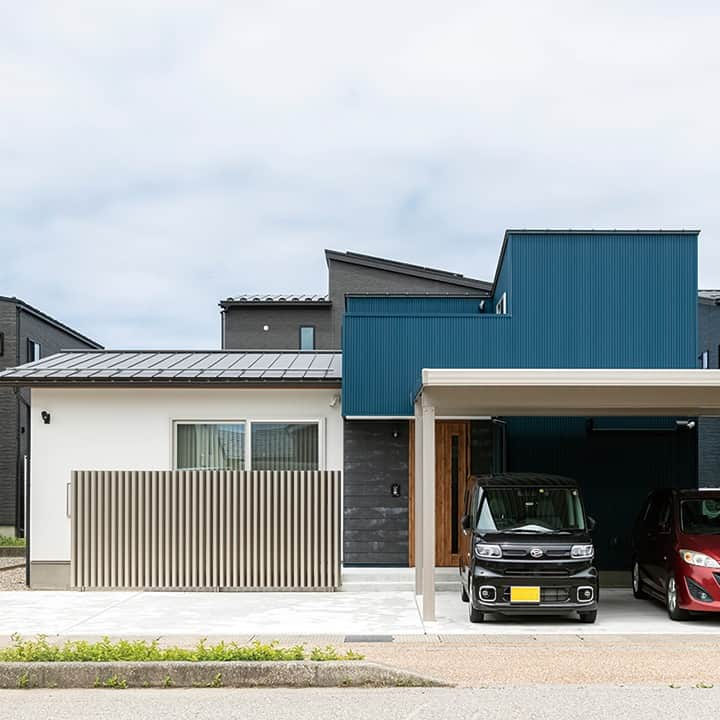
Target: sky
[156,157]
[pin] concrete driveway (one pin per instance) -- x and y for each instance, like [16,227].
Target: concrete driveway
[308,614]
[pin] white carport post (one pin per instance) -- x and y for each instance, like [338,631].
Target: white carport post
[425,505]
[418,499]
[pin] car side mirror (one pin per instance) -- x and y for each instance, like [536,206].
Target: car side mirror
[465,523]
[591,523]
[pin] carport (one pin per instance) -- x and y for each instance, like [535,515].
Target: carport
[544,392]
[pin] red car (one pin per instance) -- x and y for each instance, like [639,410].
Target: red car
[676,545]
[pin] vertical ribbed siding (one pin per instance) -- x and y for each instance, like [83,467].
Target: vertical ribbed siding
[206,529]
[613,300]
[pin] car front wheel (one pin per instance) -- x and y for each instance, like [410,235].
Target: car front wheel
[475,615]
[463,594]
[588,617]
[671,600]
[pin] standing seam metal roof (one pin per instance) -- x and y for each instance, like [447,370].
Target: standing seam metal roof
[178,367]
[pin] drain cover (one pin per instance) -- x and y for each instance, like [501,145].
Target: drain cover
[368,638]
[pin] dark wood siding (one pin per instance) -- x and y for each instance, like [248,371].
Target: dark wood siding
[376,524]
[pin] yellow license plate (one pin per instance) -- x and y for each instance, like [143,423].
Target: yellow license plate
[524,594]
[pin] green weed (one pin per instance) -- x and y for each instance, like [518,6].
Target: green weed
[105,650]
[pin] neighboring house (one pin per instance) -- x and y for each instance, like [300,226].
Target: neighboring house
[709,357]
[559,300]
[26,335]
[314,322]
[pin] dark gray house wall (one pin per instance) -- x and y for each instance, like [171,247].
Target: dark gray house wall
[244,319]
[352,274]
[709,331]
[244,326]
[709,427]
[8,417]
[376,523]
[19,323]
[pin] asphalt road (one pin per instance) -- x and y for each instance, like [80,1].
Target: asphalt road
[523,702]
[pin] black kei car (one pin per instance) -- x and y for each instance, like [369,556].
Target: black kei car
[526,547]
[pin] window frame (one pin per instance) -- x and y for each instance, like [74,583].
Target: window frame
[501,305]
[704,360]
[314,338]
[248,423]
[174,443]
[319,422]
[32,344]
[2,344]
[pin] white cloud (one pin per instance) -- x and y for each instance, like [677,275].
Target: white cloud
[157,156]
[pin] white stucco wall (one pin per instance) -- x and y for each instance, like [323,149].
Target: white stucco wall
[132,429]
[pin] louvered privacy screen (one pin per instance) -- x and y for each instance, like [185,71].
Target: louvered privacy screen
[206,529]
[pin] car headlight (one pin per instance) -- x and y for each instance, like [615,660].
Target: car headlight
[700,559]
[582,552]
[483,551]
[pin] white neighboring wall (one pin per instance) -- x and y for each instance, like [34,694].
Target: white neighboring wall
[132,429]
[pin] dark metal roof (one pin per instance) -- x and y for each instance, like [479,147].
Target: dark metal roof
[524,480]
[282,299]
[191,367]
[26,307]
[407,269]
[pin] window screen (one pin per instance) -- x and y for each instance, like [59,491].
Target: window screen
[211,446]
[284,446]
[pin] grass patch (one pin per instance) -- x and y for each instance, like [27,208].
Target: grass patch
[40,650]
[7,541]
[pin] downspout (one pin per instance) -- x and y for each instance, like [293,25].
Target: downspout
[18,398]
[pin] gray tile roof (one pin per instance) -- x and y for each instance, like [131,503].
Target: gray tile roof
[280,298]
[192,367]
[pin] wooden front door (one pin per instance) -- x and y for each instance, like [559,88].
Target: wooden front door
[452,467]
[452,463]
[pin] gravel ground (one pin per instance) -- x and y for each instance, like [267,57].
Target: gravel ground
[597,702]
[571,661]
[12,579]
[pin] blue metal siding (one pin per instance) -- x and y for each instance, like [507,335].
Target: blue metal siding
[606,301]
[384,356]
[415,305]
[624,301]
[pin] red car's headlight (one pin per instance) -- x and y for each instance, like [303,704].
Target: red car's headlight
[700,559]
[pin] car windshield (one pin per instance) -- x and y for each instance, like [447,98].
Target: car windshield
[530,510]
[700,517]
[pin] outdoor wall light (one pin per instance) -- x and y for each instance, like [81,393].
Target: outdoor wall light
[687,424]
[45,415]
[396,434]
[266,328]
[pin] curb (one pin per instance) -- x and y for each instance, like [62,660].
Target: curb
[354,673]
[10,551]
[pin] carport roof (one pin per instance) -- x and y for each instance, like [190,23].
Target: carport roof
[192,367]
[581,392]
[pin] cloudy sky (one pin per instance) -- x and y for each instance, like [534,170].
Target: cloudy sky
[158,156]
